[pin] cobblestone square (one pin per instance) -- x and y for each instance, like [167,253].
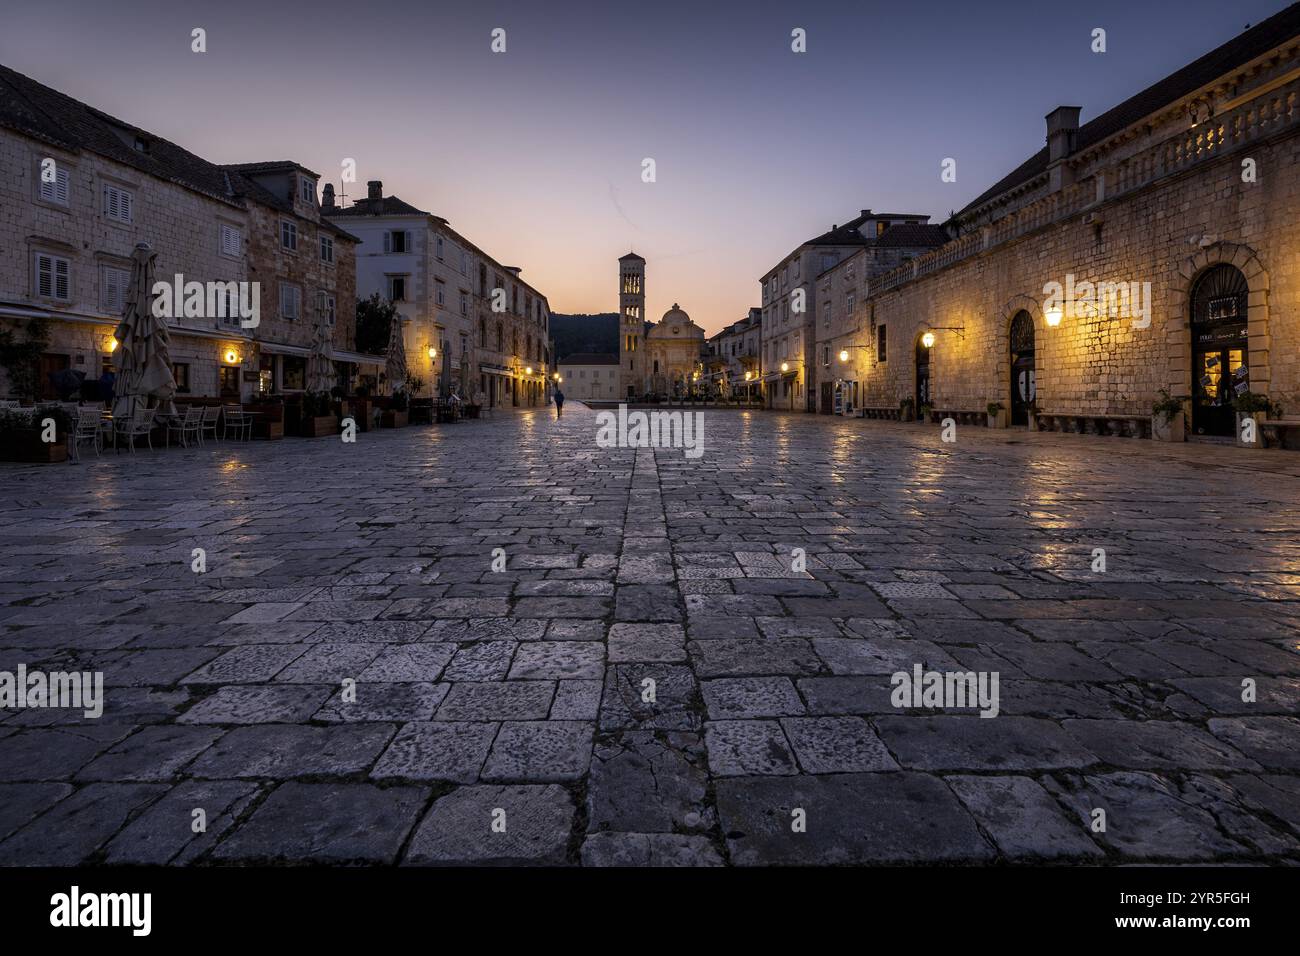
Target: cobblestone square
[683,662]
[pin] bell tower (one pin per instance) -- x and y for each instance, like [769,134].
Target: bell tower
[631,326]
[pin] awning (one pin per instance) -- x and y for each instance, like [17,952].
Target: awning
[487,369]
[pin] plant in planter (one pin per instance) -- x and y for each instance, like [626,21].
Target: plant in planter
[905,410]
[1252,408]
[997,415]
[21,359]
[1167,418]
[318,417]
[926,410]
[395,416]
[23,434]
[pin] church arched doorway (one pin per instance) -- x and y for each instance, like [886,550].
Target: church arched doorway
[1023,374]
[1220,370]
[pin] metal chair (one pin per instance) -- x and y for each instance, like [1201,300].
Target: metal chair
[187,426]
[88,426]
[140,423]
[208,422]
[237,423]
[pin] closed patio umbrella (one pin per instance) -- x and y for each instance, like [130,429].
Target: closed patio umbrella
[395,367]
[320,365]
[143,355]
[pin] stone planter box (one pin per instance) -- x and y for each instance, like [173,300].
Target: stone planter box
[1002,419]
[1257,417]
[319,426]
[1168,429]
[393,419]
[26,446]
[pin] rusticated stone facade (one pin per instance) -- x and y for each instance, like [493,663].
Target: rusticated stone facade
[1157,194]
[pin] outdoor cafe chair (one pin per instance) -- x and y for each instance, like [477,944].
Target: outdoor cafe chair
[88,426]
[139,423]
[186,426]
[208,422]
[237,422]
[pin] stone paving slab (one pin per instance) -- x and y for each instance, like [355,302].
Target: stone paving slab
[651,681]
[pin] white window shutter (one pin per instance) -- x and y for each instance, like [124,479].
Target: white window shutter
[388,242]
[44,276]
[61,278]
[61,185]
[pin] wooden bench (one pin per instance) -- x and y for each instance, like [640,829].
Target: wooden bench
[1120,426]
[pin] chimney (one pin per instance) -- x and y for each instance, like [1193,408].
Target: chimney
[1062,128]
[327,198]
[375,189]
[866,213]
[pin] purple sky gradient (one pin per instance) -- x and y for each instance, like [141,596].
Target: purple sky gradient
[535,154]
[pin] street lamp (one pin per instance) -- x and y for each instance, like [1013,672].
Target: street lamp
[928,340]
[1053,316]
[433,353]
[844,355]
[785,366]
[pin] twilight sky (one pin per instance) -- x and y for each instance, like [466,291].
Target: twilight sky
[535,154]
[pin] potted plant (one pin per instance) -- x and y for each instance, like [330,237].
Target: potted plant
[1167,418]
[905,412]
[1252,408]
[998,417]
[395,415]
[318,418]
[360,405]
[926,410]
[23,434]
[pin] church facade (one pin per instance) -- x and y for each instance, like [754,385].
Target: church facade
[655,358]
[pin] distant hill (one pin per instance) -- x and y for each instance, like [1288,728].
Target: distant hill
[584,333]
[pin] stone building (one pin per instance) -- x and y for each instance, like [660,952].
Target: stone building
[733,356]
[842,302]
[791,306]
[663,358]
[306,270]
[591,377]
[470,324]
[1180,206]
[86,188]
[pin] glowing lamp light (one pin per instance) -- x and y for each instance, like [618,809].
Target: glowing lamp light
[112,344]
[928,340]
[433,353]
[1053,316]
[232,357]
[844,355]
[529,370]
[785,366]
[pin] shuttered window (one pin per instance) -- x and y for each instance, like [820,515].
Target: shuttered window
[119,204]
[290,301]
[53,277]
[113,289]
[56,191]
[232,241]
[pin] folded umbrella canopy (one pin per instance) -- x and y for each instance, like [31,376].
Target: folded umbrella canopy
[143,356]
[320,364]
[395,367]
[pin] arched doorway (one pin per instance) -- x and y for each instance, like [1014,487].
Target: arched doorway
[922,376]
[1023,378]
[1220,371]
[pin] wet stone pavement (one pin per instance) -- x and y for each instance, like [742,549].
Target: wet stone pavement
[652,679]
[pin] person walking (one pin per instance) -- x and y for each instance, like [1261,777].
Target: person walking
[559,402]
